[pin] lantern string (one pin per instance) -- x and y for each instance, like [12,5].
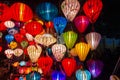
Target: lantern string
[93,27]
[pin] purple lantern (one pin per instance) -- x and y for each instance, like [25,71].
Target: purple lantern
[95,67]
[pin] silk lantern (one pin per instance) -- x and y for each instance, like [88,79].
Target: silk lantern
[47,11]
[92,9]
[58,51]
[9,24]
[81,23]
[82,50]
[69,66]
[93,39]
[59,24]
[70,9]
[70,38]
[95,67]
[21,12]
[83,74]
[9,53]
[9,38]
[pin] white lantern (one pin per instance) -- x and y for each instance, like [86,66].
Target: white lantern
[9,24]
[18,52]
[9,53]
[29,37]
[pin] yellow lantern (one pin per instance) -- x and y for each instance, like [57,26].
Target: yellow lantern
[13,45]
[82,50]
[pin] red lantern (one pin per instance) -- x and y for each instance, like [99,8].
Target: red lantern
[0,48]
[18,37]
[33,28]
[92,9]
[69,66]
[2,27]
[21,12]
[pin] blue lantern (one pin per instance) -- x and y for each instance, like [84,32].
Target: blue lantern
[83,74]
[21,78]
[9,38]
[22,63]
[47,11]
[33,76]
[59,24]
[58,75]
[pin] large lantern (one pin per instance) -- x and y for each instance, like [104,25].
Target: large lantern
[47,11]
[70,38]
[81,23]
[92,9]
[21,12]
[83,74]
[95,67]
[70,8]
[93,39]
[82,50]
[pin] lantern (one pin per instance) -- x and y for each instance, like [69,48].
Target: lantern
[95,67]
[1,48]
[81,23]
[70,9]
[13,45]
[29,37]
[9,24]
[28,70]
[59,24]
[58,51]
[70,38]
[18,37]
[9,38]
[69,66]
[9,53]
[92,9]
[83,74]
[18,52]
[18,24]
[47,11]
[22,78]
[73,52]
[22,63]
[24,44]
[21,70]
[21,12]
[13,31]
[2,27]
[82,50]
[15,64]
[93,39]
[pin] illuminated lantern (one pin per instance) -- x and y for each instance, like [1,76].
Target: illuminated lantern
[81,23]
[95,67]
[21,12]
[9,38]
[70,38]
[34,52]
[73,52]
[9,53]
[28,70]
[92,9]
[22,78]
[58,75]
[18,52]
[18,37]
[22,63]
[12,31]
[45,63]
[49,24]
[83,74]
[29,37]
[24,44]
[93,39]
[33,76]
[13,45]
[47,11]
[33,28]
[70,9]
[82,50]
[0,48]
[59,24]
[58,51]
[1,34]
[21,70]
[69,66]
[22,30]
[15,64]
[9,24]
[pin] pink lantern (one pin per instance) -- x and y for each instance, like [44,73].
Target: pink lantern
[81,23]
[93,39]
[9,53]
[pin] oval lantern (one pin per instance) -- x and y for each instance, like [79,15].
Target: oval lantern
[18,52]
[59,24]
[24,44]
[22,63]
[58,51]
[83,74]
[13,31]
[92,9]
[18,37]
[81,23]
[9,53]
[9,24]
[70,9]
[21,12]
[58,75]
[9,38]
[70,38]
[82,50]
[29,37]
[47,11]
[93,39]
[13,45]
[69,66]
[95,67]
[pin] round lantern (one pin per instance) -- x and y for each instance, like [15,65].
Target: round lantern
[82,50]
[13,31]
[9,38]
[9,24]
[9,53]
[93,39]
[18,52]
[29,37]
[47,11]
[22,63]
[70,38]
[24,44]
[18,37]
[21,12]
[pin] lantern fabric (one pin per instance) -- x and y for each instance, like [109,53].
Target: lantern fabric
[9,53]
[92,9]
[59,24]
[81,23]
[13,31]
[12,45]
[22,63]
[29,37]
[93,39]
[9,38]
[95,67]
[70,8]
[70,38]
[21,12]
[9,24]
[82,50]
[47,11]
[18,37]
[73,52]
[83,74]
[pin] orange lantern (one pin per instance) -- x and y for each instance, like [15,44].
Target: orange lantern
[82,50]
[28,70]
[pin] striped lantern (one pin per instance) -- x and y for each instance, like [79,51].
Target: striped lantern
[93,39]
[18,52]
[9,24]
[9,53]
